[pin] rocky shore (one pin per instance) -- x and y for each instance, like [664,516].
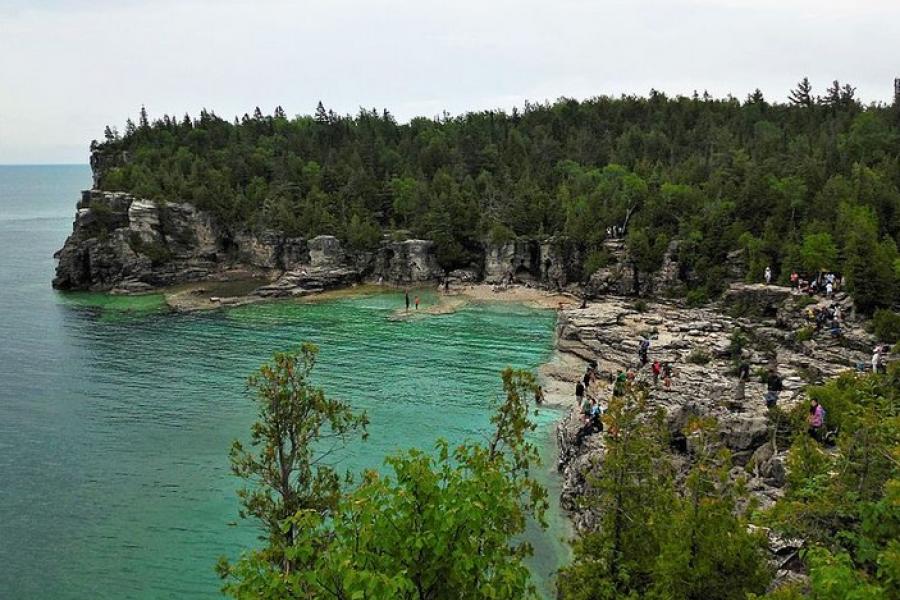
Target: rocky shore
[757,322]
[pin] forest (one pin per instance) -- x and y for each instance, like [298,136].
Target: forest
[805,185]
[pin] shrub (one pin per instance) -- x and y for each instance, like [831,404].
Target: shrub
[886,326]
[640,305]
[804,334]
[596,260]
[697,297]
[698,356]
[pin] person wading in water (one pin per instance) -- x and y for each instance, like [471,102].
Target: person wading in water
[406,293]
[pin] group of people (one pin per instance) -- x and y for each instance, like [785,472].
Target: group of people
[589,405]
[824,283]
[831,315]
[406,294]
[615,231]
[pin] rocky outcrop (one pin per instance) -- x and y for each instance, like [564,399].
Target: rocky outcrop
[131,244]
[701,345]
[620,275]
[407,262]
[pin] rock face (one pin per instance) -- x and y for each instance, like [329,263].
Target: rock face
[698,343]
[119,241]
[621,276]
[554,263]
[407,262]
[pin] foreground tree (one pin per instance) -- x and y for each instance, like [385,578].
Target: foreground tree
[441,526]
[631,495]
[652,540]
[298,426]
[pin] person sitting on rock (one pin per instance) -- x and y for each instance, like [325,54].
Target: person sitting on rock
[539,395]
[816,420]
[587,405]
[593,425]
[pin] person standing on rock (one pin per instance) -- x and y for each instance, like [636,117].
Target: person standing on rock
[539,395]
[773,387]
[579,393]
[417,303]
[795,280]
[657,369]
[768,275]
[643,348]
[816,420]
[667,375]
[876,358]
[743,376]
[406,293]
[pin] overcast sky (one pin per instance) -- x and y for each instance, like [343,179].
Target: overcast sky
[69,67]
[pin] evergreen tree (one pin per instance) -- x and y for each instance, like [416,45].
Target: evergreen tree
[802,94]
[321,113]
[284,467]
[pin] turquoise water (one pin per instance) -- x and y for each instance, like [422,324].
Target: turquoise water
[116,417]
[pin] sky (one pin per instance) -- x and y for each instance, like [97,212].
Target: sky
[70,67]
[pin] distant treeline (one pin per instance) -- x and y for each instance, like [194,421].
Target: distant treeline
[810,184]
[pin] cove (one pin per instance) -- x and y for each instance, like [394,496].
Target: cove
[152,401]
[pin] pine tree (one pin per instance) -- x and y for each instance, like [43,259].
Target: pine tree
[321,113]
[257,114]
[756,97]
[832,96]
[279,112]
[802,94]
[143,121]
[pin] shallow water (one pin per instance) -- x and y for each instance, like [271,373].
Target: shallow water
[116,416]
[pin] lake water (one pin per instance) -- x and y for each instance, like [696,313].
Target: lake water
[116,416]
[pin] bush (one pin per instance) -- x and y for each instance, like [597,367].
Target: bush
[595,261]
[697,298]
[886,326]
[804,334]
[640,305]
[698,356]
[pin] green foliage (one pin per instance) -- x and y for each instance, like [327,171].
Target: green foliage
[697,298]
[653,541]
[631,494]
[694,563]
[886,326]
[441,526]
[698,356]
[818,253]
[596,260]
[716,175]
[283,465]
[804,334]
[846,503]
